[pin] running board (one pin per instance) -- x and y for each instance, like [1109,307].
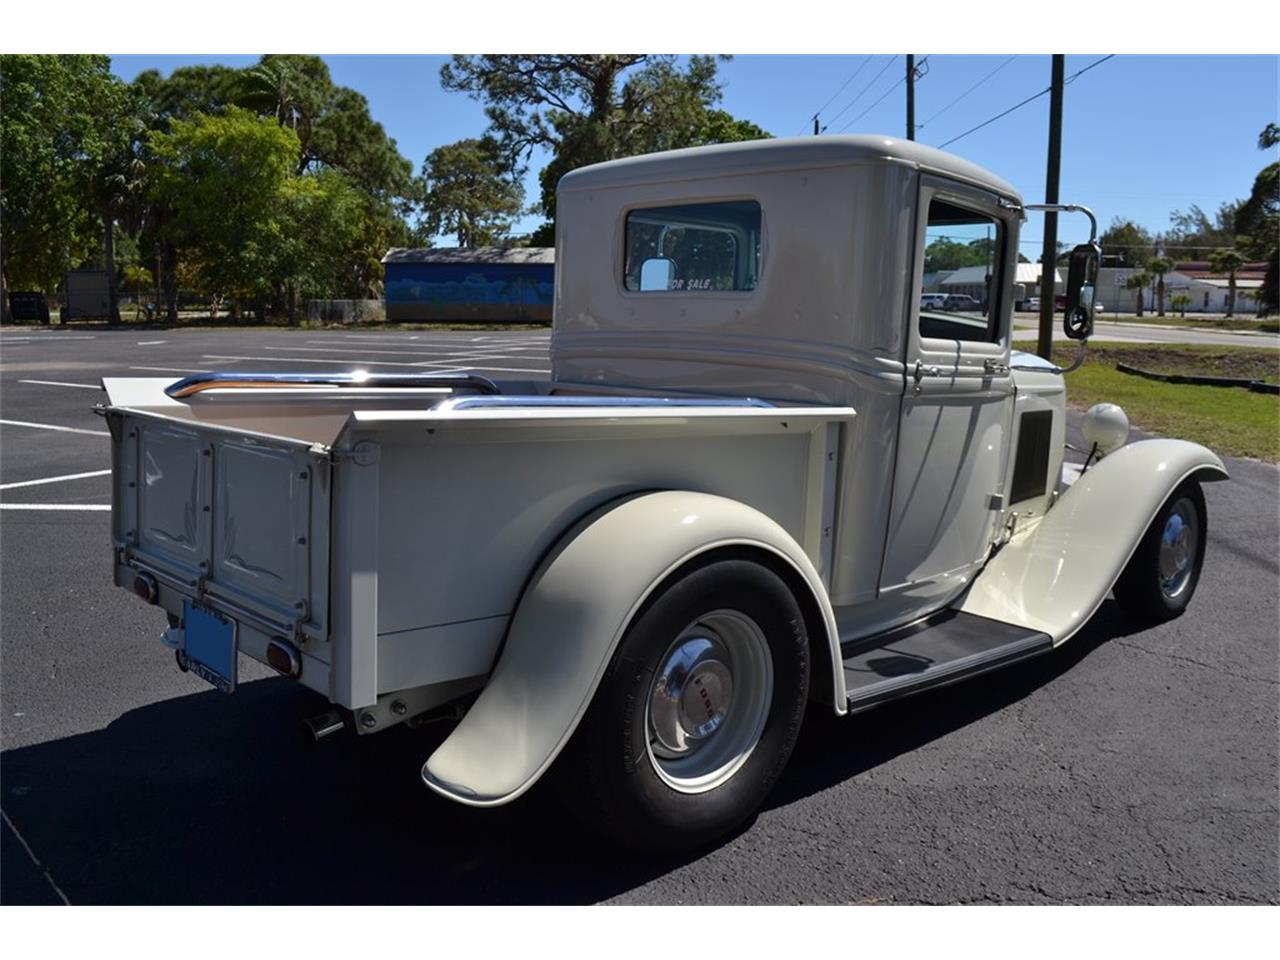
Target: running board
[932,653]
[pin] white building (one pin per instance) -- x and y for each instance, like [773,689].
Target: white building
[973,281]
[1207,290]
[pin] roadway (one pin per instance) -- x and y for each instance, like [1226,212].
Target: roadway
[1133,766]
[1118,331]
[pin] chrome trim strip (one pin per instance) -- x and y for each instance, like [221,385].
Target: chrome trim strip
[344,378]
[474,403]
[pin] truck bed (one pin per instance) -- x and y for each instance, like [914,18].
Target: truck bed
[387,531]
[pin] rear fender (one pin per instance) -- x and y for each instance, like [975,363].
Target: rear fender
[571,618]
[1054,577]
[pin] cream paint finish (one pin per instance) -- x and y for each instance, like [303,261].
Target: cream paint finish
[571,619]
[1053,577]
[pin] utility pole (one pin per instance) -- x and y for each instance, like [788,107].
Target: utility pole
[1050,256]
[911,96]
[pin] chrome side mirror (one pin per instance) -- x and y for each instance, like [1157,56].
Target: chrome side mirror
[657,273]
[1082,277]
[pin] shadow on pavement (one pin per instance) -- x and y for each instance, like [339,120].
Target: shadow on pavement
[205,800]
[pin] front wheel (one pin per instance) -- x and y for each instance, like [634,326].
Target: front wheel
[1161,576]
[698,711]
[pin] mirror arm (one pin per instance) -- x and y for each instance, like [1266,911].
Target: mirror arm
[1067,208]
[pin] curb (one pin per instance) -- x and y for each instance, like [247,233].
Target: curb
[1255,386]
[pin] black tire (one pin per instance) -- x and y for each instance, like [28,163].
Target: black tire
[612,765]
[1143,591]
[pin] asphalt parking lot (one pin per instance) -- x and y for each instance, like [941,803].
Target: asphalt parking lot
[1131,766]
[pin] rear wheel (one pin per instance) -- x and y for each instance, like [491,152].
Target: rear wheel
[1161,576]
[699,709]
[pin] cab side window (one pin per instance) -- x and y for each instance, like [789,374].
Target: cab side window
[963,274]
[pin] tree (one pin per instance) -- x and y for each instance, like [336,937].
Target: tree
[1125,239]
[137,276]
[53,136]
[1180,303]
[469,193]
[947,254]
[1158,267]
[1138,282]
[333,124]
[590,108]
[1228,262]
[225,179]
[1195,234]
[1257,223]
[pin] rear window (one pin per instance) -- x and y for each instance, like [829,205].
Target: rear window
[693,247]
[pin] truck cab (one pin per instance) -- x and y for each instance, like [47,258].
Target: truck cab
[792,271]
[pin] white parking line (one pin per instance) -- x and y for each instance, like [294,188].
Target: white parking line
[55,506]
[46,338]
[52,426]
[68,476]
[150,343]
[61,383]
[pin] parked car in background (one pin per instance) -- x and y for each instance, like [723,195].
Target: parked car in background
[961,302]
[1029,305]
[932,301]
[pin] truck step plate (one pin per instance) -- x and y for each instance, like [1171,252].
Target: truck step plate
[932,653]
[210,645]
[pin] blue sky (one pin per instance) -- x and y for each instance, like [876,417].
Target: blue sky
[1142,134]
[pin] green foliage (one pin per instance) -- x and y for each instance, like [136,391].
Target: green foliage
[1125,239]
[590,108]
[1158,267]
[1138,282]
[1195,234]
[1257,222]
[470,194]
[56,132]
[226,178]
[947,254]
[1228,262]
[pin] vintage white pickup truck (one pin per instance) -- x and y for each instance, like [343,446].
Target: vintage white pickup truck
[760,475]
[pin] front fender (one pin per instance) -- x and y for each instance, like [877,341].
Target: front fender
[570,620]
[1053,578]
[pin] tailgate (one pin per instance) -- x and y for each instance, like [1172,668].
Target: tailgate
[236,521]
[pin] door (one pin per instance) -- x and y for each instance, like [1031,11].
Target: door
[957,402]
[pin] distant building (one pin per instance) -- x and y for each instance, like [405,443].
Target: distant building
[973,281]
[1195,279]
[479,285]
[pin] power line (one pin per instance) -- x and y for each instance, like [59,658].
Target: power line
[855,73]
[967,92]
[901,81]
[1023,103]
[862,92]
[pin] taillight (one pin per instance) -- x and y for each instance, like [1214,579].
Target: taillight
[283,657]
[145,586]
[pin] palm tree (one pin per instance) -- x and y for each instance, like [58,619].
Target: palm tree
[137,276]
[1138,283]
[1180,303]
[1159,266]
[1228,262]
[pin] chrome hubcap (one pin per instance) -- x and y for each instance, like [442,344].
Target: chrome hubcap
[1179,543]
[709,701]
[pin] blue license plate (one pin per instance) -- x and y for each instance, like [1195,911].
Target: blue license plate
[210,645]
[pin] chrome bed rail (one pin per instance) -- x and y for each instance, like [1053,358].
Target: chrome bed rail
[535,400]
[188,386]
